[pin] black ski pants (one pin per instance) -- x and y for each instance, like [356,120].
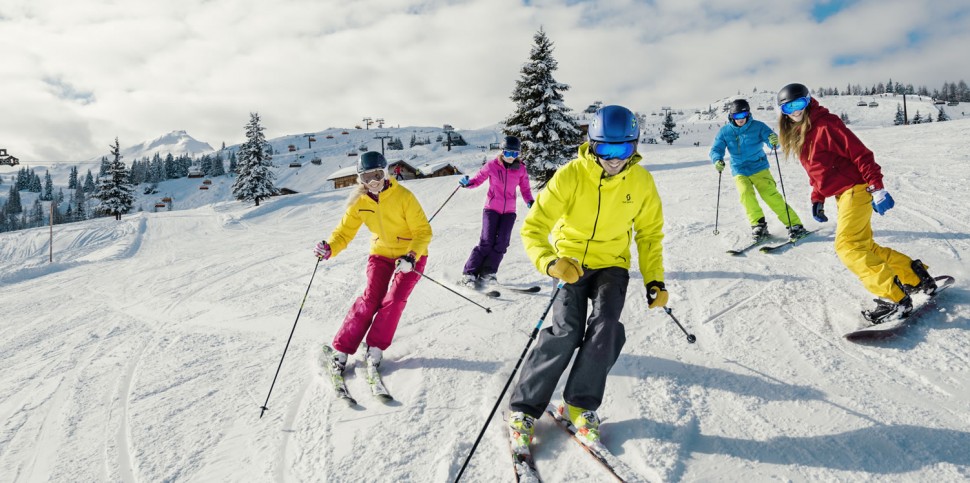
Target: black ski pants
[598,338]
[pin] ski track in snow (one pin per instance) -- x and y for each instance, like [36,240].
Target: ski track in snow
[144,351]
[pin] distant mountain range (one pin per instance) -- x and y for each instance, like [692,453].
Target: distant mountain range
[176,142]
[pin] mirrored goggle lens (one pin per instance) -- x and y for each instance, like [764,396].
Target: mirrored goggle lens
[614,150]
[510,154]
[795,106]
[369,176]
[740,115]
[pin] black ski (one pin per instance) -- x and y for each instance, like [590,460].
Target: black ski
[336,376]
[791,241]
[532,289]
[492,294]
[598,450]
[745,248]
[888,330]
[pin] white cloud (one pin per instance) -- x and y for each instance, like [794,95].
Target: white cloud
[77,74]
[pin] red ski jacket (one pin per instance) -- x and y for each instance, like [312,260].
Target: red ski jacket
[834,158]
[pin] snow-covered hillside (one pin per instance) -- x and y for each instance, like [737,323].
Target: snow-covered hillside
[143,352]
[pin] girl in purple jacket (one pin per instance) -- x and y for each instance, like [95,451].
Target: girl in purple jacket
[503,174]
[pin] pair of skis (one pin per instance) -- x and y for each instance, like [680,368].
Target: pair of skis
[525,467]
[769,248]
[373,376]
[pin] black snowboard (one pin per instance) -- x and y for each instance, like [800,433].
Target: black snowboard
[892,329]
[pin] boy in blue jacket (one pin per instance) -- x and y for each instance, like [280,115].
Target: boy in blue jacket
[743,137]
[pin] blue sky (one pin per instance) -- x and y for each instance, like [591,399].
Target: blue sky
[78,74]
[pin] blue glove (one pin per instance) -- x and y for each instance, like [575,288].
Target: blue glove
[464,182]
[528,204]
[818,212]
[882,202]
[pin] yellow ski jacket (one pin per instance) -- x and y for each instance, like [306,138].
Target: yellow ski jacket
[582,215]
[397,222]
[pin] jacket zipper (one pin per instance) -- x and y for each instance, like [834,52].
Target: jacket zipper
[599,201]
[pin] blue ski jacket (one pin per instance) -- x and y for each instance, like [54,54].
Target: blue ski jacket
[745,144]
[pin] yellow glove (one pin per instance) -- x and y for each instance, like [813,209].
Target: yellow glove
[773,140]
[566,269]
[656,294]
[719,165]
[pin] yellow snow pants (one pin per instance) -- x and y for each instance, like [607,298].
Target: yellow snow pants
[874,265]
[764,183]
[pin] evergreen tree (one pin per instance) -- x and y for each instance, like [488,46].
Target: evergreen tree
[668,134]
[942,116]
[255,180]
[72,178]
[917,118]
[233,163]
[217,167]
[79,200]
[36,214]
[103,170]
[35,185]
[845,118]
[48,187]
[13,201]
[541,121]
[900,117]
[115,189]
[89,183]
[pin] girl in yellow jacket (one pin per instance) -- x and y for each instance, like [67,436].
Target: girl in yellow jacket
[400,235]
[579,231]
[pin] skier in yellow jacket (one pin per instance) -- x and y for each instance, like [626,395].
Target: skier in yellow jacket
[591,210]
[400,235]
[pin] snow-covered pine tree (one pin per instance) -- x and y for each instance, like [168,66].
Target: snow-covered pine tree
[942,116]
[114,188]
[89,183]
[255,178]
[541,121]
[48,187]
[668,134]
[72,178]
[900,117]
[217,167]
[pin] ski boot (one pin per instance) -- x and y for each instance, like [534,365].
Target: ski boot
[586,421]
[488,280]
[521,430]
[796,232]
[338,361]
[372,355]
[760,230]
[926,283]
[469,280]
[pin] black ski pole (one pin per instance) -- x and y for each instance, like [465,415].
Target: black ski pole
[443,204]
[782,182]
[264,408]
[456,293]
[690,337]
[717,210]
[535,332]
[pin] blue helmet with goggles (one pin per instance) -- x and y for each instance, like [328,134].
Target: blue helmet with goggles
[614,124]
[793,98]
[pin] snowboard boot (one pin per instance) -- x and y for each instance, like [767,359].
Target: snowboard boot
[796,231]
[521,429]
[886,311]
[373,355]
[586,421]
[468,280]
[760,230]
[926,283]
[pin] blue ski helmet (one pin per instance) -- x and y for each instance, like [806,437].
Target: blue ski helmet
[511,143]
[614,124]
[371,160]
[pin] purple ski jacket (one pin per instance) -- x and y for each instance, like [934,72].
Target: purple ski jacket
[502,181]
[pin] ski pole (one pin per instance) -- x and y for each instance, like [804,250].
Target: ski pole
[488,310]
[443,204]
[717,210]
[264,408]
[690,337]
[782,182]
[508,383]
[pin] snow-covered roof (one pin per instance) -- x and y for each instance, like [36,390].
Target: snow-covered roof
[430,168]
[340,173]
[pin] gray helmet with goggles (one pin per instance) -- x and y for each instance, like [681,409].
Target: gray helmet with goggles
[371,160]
